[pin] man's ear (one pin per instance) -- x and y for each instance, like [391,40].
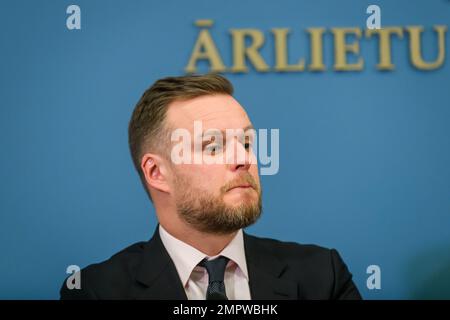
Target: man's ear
[154,169]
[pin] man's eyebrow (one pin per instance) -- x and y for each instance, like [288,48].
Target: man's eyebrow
[223,131]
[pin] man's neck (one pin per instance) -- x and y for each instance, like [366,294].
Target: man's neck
[209,244]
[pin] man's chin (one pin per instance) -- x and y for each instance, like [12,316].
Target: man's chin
[240,204]
[236,198]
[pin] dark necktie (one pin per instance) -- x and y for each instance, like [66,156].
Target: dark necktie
[216,273]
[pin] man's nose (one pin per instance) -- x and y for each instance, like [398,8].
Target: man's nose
[239,158]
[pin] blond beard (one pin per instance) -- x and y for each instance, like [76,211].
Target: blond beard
[210,214]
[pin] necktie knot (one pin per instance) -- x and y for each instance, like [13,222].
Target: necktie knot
[216,272]
[215,268]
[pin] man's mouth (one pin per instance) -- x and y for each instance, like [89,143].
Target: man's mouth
[243,186]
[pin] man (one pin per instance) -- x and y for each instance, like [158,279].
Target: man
[199,249]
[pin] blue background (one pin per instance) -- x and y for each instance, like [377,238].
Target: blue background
[364,156]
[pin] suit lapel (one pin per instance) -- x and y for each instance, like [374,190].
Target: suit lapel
[266,272]
[158,278]
[157,275]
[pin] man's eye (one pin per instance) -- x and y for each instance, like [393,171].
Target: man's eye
[247,146]
[212,148]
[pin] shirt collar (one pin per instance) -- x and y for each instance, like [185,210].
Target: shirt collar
[186,257]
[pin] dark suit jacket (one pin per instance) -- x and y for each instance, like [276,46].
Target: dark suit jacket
[277,270]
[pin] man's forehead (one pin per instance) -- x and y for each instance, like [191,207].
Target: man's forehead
[214,111]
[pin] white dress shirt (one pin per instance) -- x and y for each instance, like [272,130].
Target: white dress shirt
[195,278]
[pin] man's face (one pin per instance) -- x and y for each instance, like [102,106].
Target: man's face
[211,196]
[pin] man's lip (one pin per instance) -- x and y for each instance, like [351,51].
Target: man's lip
[241,186]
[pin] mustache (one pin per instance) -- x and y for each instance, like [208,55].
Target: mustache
[244,179]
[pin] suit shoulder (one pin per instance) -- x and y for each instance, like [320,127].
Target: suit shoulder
[291,250]
[320,272]
[116,271]
[120,261]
